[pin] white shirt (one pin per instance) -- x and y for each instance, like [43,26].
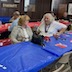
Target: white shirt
[52,29]
[26,35]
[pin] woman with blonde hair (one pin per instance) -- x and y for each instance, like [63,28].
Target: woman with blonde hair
[50,27]
[22,32]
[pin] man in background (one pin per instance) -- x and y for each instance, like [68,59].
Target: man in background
[65,17]
[16,16]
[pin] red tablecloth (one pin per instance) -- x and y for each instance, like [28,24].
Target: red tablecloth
[65,22]
[32,24]
[4,42]
[4,27]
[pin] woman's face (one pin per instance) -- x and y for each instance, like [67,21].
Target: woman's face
[25,23]
[47,20]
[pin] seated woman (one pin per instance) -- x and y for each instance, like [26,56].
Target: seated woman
[50,27]
[22,32]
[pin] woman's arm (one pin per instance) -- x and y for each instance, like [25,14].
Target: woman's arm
[61,31]
[61,27]
[14,35]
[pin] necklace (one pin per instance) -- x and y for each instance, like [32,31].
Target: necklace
[47,28]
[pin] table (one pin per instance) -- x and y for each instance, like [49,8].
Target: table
[50,46]
[65,22]
[5,19]
[24,57]
[5,42]
[29,57]
[4,27]
[32,24]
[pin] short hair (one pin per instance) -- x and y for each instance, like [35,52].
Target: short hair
[49,15]
[23,18]
[16,13]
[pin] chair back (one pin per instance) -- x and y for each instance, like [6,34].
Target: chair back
[65,58]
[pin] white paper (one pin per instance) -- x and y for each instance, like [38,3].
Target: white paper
[1,44]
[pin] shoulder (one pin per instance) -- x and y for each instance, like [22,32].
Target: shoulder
[17,27]
[16,20]
[55,23]
[58,24]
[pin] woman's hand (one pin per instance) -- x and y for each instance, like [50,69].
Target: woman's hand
[56,35]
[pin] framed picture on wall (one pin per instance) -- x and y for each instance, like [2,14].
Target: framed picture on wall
[29,6]
[70,9]
[16,1]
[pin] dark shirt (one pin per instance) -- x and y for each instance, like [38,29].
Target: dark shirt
[65,18]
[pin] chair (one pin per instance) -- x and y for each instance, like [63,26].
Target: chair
[63,61]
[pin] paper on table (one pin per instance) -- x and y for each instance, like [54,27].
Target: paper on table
[1,44]
[61,45]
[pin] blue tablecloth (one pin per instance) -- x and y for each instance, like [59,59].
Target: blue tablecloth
[64,39]
[24,57]
[5,19]
[29,57]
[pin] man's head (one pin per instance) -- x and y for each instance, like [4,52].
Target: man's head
[16,14]
[65,14]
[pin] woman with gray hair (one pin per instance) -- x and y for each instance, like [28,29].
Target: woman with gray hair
[50,27]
